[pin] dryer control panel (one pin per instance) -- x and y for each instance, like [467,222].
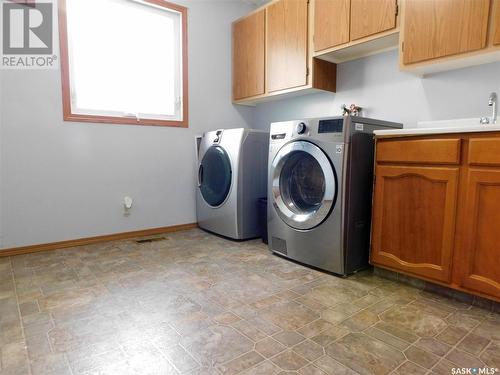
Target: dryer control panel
[331,126]
[331,129]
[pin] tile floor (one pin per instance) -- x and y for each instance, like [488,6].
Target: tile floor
[198,304]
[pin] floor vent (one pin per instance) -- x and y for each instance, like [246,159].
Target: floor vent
[279,245]
[149,240]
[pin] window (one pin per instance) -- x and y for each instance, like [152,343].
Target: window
[124,61]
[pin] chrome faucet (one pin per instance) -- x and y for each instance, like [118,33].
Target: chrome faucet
[492,102]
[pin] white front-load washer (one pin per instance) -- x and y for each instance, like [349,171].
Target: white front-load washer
[232,176]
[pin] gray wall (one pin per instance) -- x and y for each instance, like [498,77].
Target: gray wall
[62,180]
[1,157]
[376,84]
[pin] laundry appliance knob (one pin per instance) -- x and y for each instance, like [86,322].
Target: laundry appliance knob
[301,128]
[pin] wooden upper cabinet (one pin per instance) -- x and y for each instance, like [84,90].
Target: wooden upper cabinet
[248,55]
[370,17]
[479,258]
[438,28]
[331,23]
[414,219]
[287,43]
[496,24]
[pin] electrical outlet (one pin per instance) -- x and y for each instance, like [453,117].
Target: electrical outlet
[127,205]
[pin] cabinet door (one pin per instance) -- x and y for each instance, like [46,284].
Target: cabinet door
[331,23]
[479,258]
[370,17]
[248,55]
[496,24]
[437,28]
[286,44]
[414,219]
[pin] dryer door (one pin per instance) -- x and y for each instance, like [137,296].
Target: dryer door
[214,176]
[304,185]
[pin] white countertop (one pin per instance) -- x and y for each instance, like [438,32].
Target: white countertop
[442,127]
[424,131]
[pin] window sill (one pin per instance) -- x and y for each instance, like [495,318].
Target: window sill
[124,121]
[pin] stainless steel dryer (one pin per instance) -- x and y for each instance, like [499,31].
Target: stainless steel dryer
[232,176]
[320,191]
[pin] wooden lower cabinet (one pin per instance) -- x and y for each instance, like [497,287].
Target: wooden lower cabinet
[478,256]
[438,217]
[414,219]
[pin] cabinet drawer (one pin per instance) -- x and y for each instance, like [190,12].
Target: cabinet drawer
[429,151]
[484,151]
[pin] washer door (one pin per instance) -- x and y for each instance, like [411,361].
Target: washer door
[304,185]
[214,176]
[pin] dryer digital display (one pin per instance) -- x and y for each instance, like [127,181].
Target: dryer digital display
[331,126]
